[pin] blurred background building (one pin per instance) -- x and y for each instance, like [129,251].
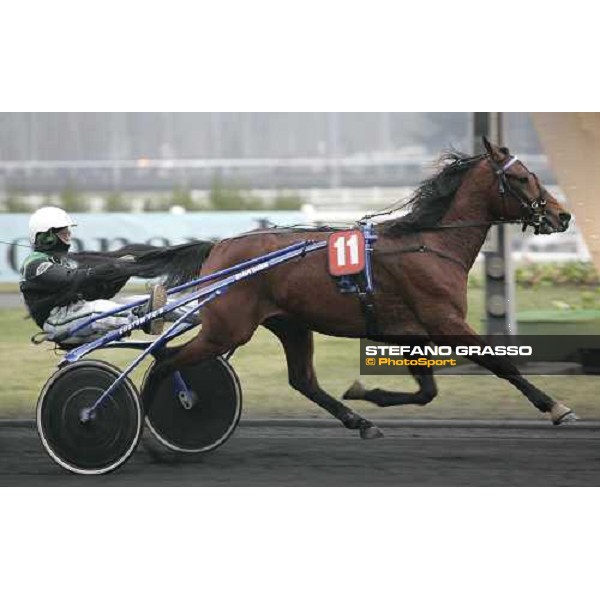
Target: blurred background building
[140,152]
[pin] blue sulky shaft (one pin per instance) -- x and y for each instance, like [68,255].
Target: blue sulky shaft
[203,296]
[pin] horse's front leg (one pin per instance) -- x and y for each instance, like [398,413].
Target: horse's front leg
[454,332]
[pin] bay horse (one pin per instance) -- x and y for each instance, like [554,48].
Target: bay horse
[420,263]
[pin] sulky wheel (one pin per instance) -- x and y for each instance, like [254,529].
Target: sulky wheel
[105,441]
[198,421]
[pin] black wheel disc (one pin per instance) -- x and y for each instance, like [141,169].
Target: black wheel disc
[211,420]
[109,438]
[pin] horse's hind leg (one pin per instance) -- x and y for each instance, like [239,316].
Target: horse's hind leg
[426,393]
[297,342]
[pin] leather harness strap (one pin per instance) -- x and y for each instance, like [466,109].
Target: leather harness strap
[425,248]
[367,306]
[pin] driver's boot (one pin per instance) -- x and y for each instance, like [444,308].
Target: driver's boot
[157,299]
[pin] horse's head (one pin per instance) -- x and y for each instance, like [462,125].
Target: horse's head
[521,196]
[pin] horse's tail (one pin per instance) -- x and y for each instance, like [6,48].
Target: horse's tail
[177,264]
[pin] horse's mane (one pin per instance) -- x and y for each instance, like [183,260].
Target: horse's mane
[432,199]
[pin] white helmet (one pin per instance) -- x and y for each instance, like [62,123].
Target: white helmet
[47,218]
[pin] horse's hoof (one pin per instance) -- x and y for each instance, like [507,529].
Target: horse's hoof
[562,414]
[355,392]
[371,433]
[569,417]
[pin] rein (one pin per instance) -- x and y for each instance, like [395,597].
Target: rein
[462,224]
[423,248]
[14,244]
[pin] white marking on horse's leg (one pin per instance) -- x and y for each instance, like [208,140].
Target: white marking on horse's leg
[562,414]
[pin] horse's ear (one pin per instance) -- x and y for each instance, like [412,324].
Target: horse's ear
[488,146]
[492,150]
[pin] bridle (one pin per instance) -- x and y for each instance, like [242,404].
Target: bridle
[534,210]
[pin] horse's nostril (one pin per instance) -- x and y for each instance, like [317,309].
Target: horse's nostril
[564,219]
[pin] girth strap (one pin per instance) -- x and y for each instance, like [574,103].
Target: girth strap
[358,285]
[368,308]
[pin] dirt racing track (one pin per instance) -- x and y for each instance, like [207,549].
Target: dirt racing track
[321,453]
